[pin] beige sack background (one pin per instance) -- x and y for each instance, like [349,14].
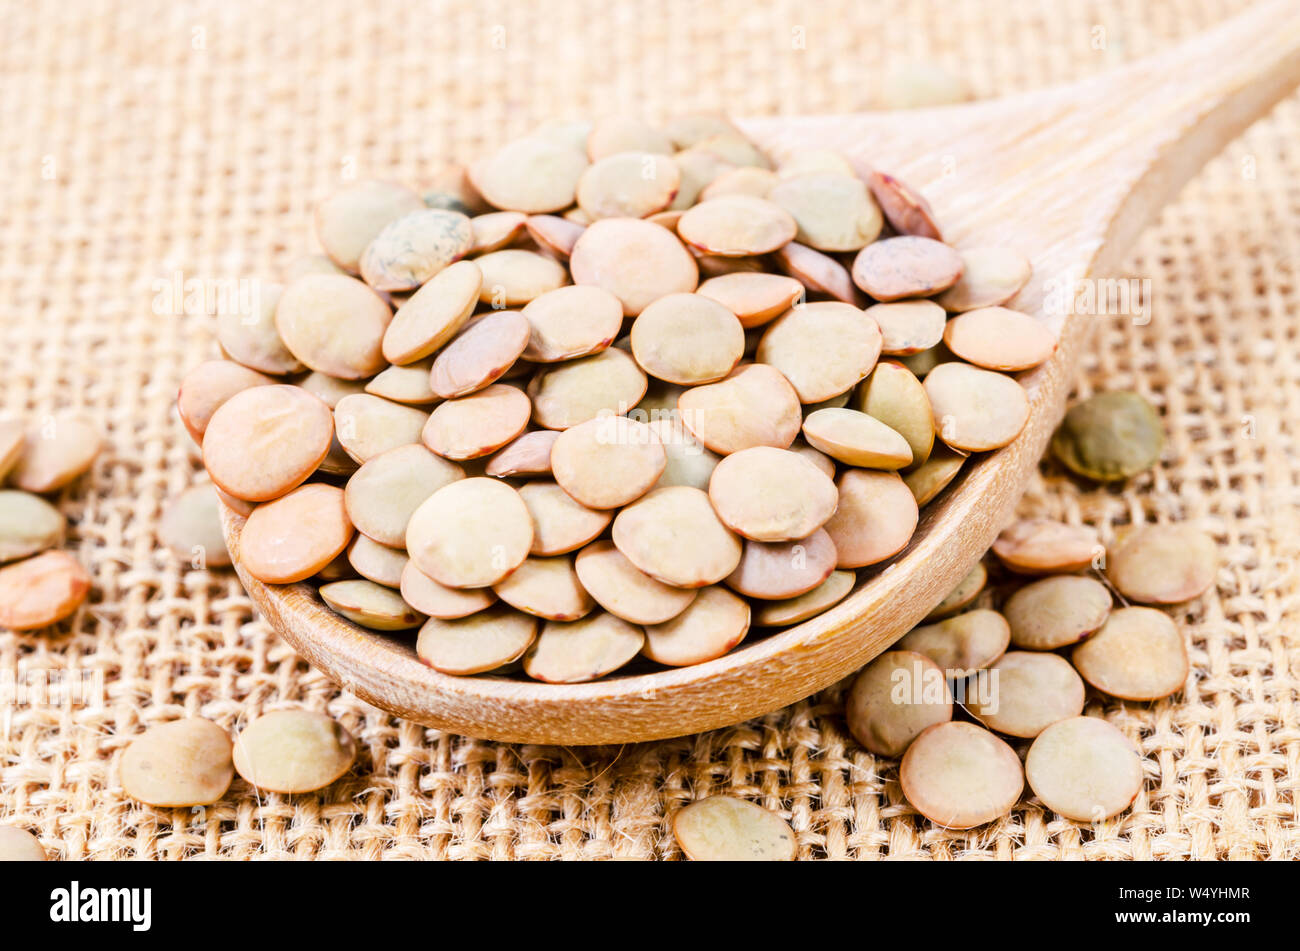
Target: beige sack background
[141,140]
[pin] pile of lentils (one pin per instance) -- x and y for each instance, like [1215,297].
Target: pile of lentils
[613,390]
[1008,660]
[957,772]
[40,584]
[949,700]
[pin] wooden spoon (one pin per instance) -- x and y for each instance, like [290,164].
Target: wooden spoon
[1069,176]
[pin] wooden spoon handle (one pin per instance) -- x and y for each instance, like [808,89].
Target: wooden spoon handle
[1071,175]
[1177,110]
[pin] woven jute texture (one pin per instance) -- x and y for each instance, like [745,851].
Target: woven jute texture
[148,142]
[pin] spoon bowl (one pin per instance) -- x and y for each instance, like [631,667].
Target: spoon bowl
[1069,176]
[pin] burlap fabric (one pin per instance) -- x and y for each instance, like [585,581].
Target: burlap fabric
[145,140]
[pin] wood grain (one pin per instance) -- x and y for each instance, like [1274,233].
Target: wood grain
[1069,176]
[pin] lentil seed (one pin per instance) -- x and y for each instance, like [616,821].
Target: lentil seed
[906,266]
[959,775]
[18,845]
[334,324]
[349,219]
[370,605]
[876,517]
[771,495]
[56,451]
[191,528]
[1034,691]
[712,624]
[962,644]
[1084,769]
[41,590]
[179,764]
[724,829]
[266,440]
[1162,564]
[1138,654]
[295,536]
[293,751]
[1043,546]
[1110,436]
[1056,612]
[880,721]
[480,354]
[470,533]
[821,598]
[568,652]
[478,643]
[28,525]
[624,590]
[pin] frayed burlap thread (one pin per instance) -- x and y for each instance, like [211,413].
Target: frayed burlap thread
[149,140]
